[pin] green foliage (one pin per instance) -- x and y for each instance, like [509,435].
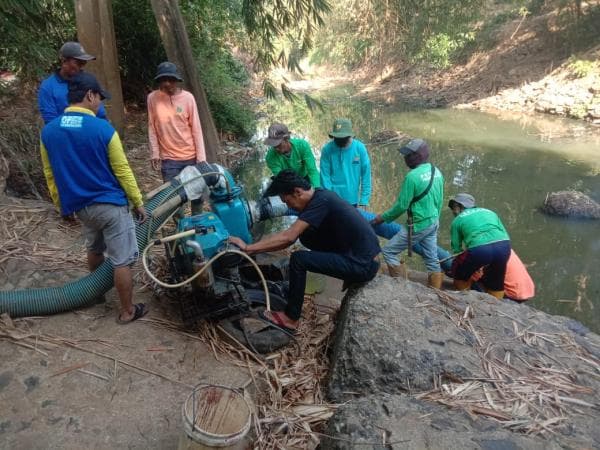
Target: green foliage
[223,78]
[578,111]
[370,31]
[582,67]
[581,27]
[32,32]
[139,46]
[212,28]
[440,49]
[273,23]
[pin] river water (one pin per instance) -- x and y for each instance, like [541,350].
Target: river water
[507,163]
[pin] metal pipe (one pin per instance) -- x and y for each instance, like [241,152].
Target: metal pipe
[197,248]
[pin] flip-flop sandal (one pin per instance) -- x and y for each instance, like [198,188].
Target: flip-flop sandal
[276,321]
[140,310]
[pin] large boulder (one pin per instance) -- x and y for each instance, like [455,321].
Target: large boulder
[385,344]
[398,421]
[499,365]
[571,204]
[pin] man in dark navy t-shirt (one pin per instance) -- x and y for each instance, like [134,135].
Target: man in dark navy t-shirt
[343,245]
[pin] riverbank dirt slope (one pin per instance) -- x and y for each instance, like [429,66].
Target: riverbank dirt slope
[527,69]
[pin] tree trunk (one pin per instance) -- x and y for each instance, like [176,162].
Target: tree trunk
[96,32]
[174,36]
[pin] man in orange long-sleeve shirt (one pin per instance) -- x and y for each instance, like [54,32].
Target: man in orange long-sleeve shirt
[174,128]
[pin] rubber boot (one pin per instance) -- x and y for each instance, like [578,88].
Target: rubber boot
[398,271]
[434,279]
[461,285]
[498,294]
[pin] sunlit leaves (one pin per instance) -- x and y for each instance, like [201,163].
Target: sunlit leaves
[269,90]
[32,32]
[275,23]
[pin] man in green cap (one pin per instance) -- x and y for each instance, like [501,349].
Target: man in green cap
[345,165]
[290,153]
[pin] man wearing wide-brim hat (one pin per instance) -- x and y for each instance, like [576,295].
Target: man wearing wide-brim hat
[290,153]
[52,95]
[345,165]
[487,245]
[174,129]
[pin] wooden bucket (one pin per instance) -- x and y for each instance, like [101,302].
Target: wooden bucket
[215,416]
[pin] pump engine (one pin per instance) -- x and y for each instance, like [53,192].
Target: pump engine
[229,285]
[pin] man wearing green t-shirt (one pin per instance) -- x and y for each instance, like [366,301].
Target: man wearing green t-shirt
[290,153]
[421,196]
[487,245]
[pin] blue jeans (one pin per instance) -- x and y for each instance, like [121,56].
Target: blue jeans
[327,263]
[428,240]
[170,168]
[442,254]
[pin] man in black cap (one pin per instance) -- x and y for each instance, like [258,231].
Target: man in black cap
[420,197]
[52,95]
[88,175]
[347,252]
[174,129]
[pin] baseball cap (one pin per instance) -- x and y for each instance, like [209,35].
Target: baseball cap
[342,128]
[467,200]
[85,81]
[277,133]
[413,146]
[75,50]
[167,70]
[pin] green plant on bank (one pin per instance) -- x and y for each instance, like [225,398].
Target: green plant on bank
[581,68]
[440,49]
[578,111]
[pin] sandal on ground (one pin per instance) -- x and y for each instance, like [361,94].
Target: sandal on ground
[139,310]
[277,321]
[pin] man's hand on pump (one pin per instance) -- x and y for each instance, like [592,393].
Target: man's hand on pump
[238,243]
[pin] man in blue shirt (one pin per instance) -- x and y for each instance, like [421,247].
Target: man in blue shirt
[52,95]
[345,165]
[88,174]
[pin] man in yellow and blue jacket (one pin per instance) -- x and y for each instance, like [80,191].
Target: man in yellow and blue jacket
[88,175]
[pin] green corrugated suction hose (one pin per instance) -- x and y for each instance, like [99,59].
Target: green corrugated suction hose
[53,300]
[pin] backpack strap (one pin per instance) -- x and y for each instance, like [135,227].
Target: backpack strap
[422,194]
